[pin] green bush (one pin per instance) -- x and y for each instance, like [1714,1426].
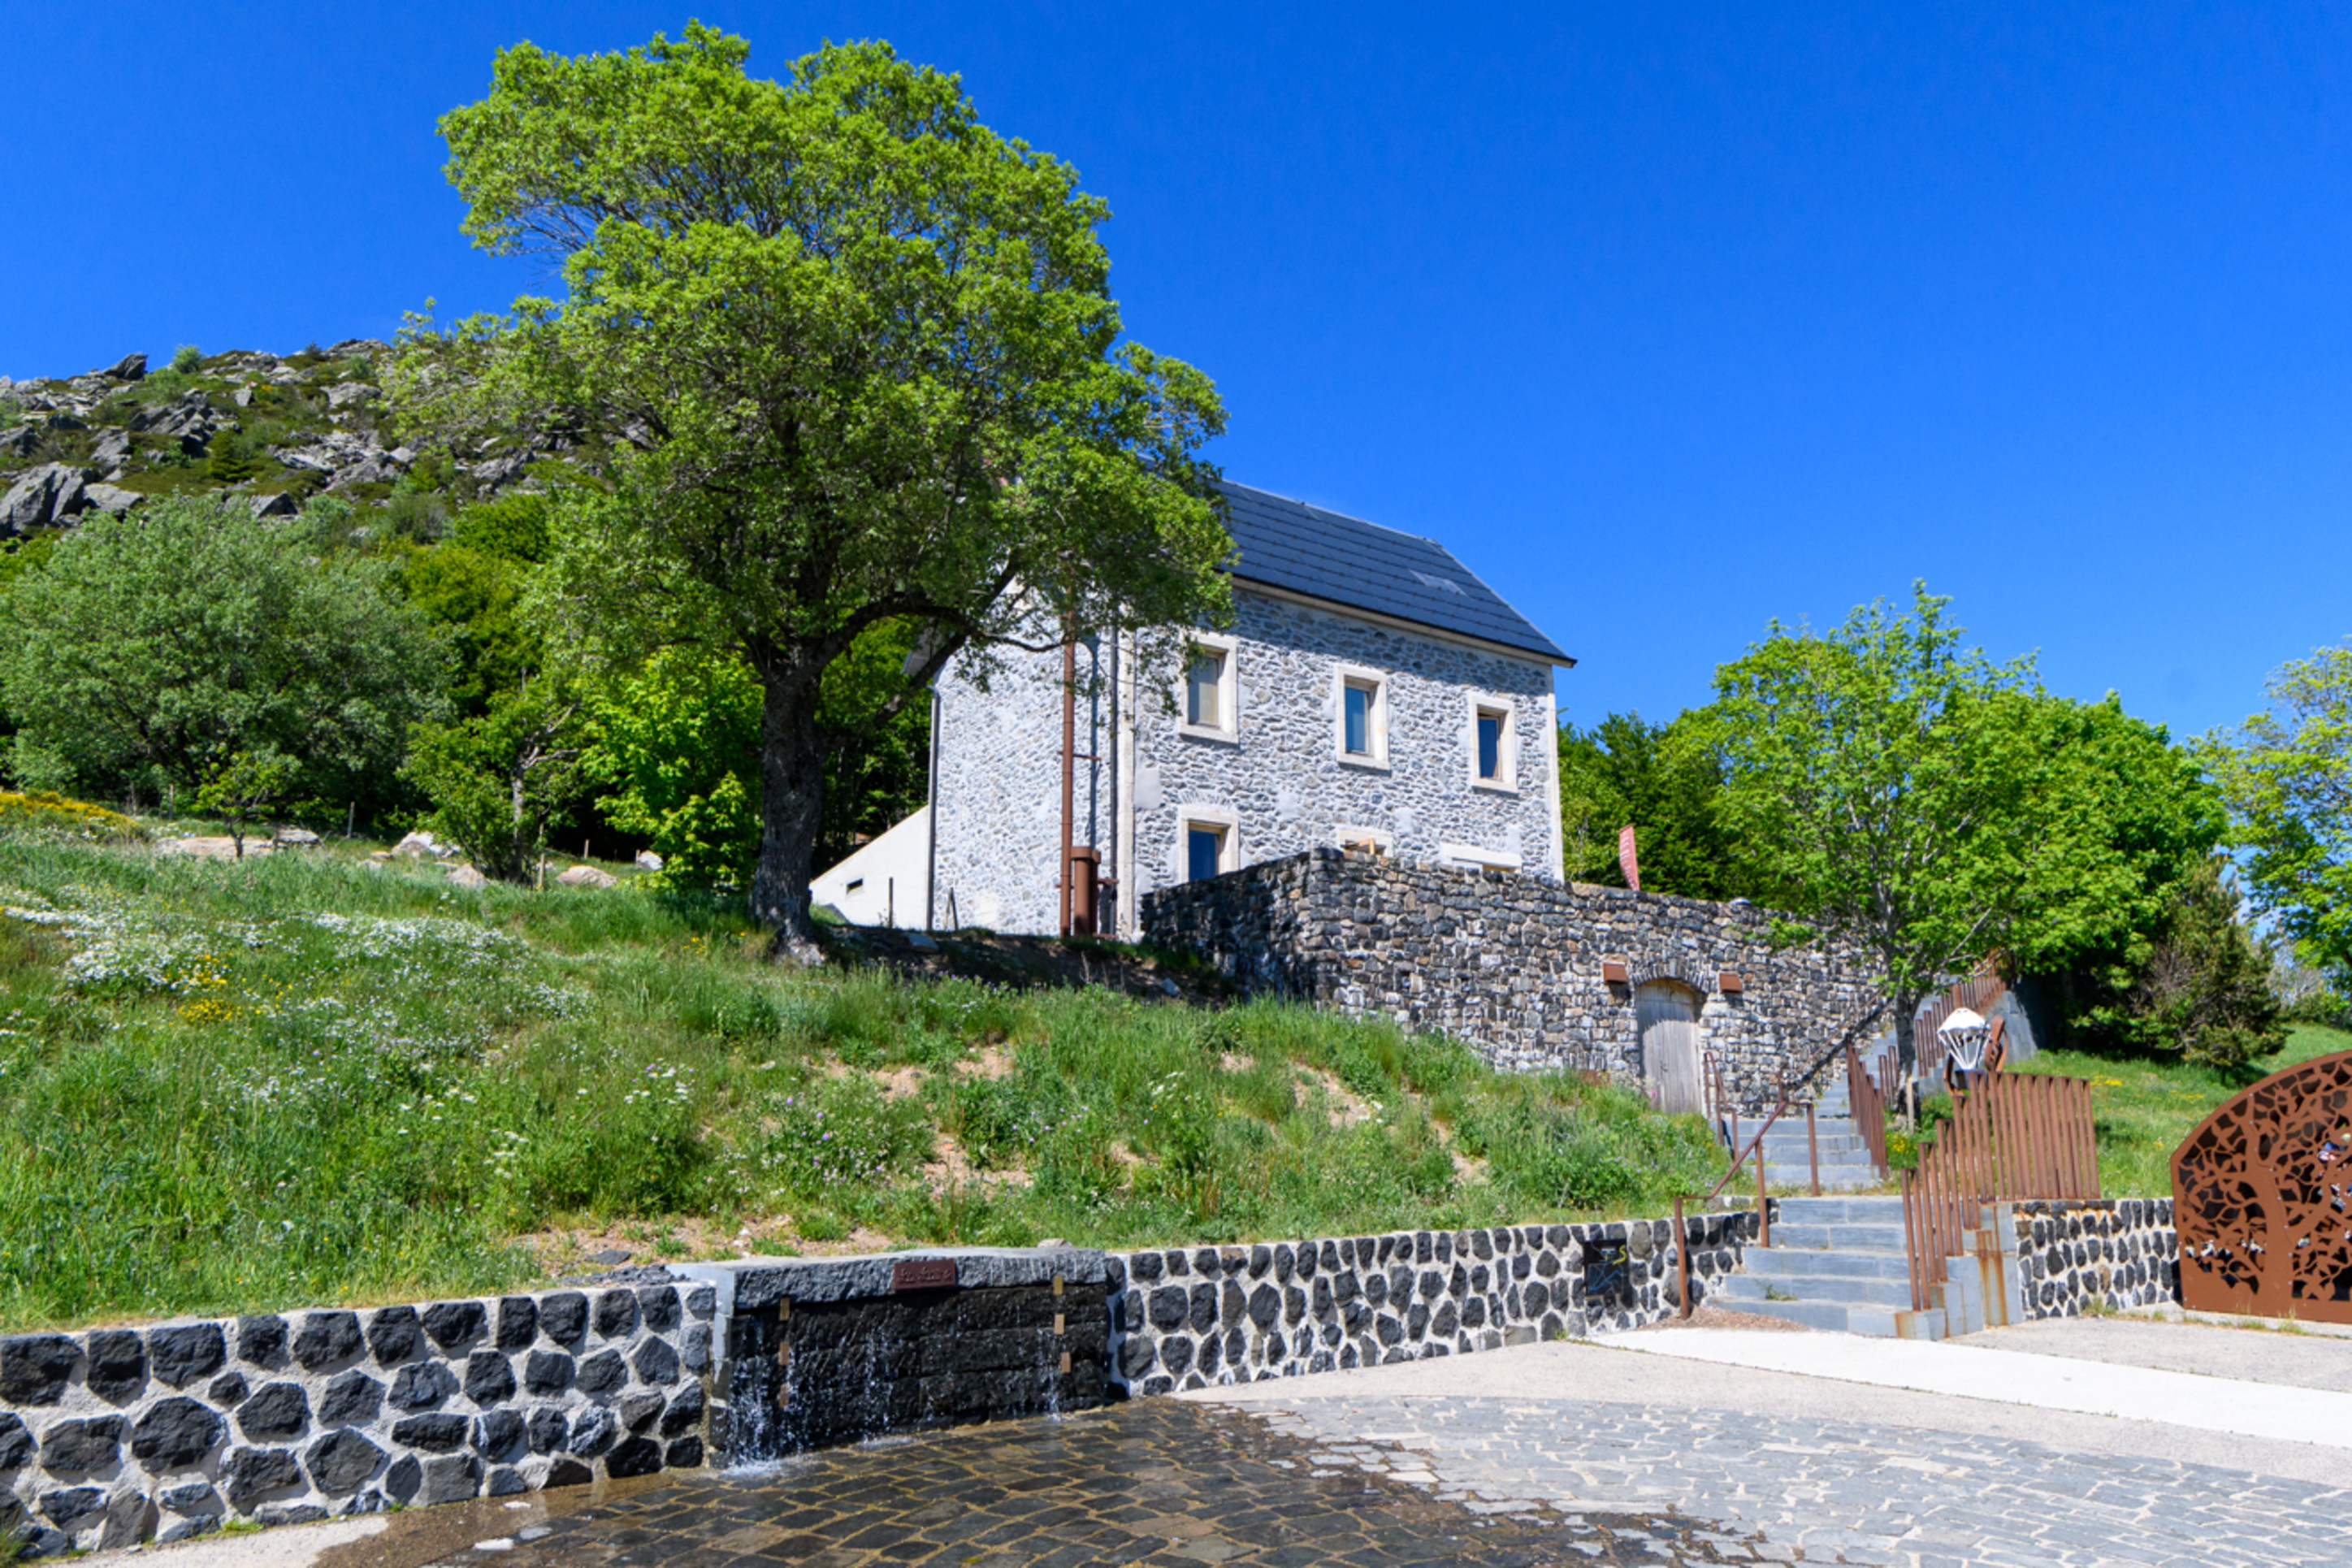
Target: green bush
[234,457]
[187,358]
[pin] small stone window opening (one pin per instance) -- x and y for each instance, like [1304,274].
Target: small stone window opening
[1491,732]
[1361,696]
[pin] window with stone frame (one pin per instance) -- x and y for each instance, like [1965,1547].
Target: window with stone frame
[1362,734]
[1493,745]
[1211,698]
[1208,842]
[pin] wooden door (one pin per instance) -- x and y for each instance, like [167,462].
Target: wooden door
[1667,1014]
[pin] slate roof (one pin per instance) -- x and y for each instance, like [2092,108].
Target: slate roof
[1287,544]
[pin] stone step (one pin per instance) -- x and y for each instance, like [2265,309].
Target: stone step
[1831,1315]
[1827,1211]
[1779,1145]
[1772,1262]
[1795,1155]
[1833,1178]
[1838,1237]
[1851,1288]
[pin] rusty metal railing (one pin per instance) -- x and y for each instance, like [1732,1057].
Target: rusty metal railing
[2012,1136]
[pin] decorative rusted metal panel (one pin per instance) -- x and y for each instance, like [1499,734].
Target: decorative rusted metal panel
[2260,1195]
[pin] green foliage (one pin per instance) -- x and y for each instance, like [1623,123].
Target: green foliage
[1626,771]
[853,359]
[241,784]
[1942,807]
[678,745]
[412,512]
[1564,1144]
[875,774]
[510,527]
[43,816]
[169,641]
[187,358]
[304,1080]
[2287,774]
[498,779]
[2200,986]
[233,458]
[476,597]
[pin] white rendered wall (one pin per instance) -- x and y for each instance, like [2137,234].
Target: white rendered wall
[888,882]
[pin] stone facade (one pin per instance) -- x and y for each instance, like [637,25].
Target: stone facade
[1274,776]
[111,1436]
[2110,1253]
[1189,1318]
[1515,965]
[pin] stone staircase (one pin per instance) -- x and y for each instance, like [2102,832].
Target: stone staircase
[1839,1263]
[1844,1161]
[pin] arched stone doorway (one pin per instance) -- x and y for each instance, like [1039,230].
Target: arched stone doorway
[1666,1013]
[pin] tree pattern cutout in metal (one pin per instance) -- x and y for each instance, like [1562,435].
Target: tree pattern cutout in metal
[2263,1196]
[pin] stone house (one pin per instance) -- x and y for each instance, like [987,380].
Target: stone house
[1372,691]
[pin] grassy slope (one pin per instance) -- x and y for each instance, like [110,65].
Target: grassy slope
[2144,1107]
[297,1079]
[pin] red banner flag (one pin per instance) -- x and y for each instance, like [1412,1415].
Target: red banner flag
[1625,860]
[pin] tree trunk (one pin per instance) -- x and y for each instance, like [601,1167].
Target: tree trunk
[1906,1058]
[792,804]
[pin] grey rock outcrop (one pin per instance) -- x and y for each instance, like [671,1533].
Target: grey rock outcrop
[111,499]
[130,367]
[49,494]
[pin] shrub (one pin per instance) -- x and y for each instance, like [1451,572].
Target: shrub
[234,457]
[41,814]
[187,358]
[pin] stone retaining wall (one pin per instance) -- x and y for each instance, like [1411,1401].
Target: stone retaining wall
[111,1436]
[2112,1252]
[1188,1318]
[1518,965]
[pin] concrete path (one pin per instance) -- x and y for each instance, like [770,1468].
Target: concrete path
[2049,1378]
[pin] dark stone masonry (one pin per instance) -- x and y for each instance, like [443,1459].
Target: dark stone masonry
[112,1437]
[1190,1317]
[2109,1254]
[116,1435]
[1532,973]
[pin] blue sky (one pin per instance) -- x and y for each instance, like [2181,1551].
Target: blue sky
[1668,321]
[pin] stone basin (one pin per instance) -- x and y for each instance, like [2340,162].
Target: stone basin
[822,1351]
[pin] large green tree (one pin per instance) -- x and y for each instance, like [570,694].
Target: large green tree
[1626,771]
[850,357]
[191,643]
[1942,807]
[2287,774]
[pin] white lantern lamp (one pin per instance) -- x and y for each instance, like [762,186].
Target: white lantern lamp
[1964,1038]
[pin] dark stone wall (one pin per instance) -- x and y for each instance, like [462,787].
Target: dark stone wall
[1190,1317]
[114,1436]
[2108,1253]
[1513,963]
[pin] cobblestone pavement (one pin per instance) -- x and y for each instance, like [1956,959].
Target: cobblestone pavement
[1785,1489]
[1155,1482]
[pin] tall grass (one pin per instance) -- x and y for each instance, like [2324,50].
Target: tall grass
[234,1086]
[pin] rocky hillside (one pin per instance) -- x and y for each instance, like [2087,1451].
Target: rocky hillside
[278,431]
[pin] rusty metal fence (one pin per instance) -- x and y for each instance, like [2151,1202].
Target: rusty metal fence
[2012,1136]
